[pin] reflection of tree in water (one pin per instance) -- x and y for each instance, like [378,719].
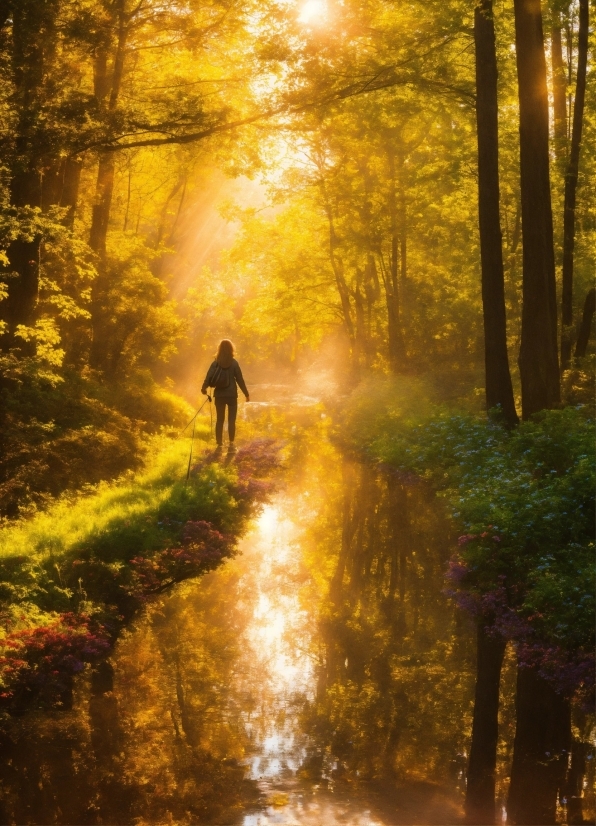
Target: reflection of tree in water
[158,739]
[395,681]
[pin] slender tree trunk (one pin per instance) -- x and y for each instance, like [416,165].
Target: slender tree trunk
[372,291]
[340,281]
[396,344]
[403,235]
[499,390]
[480,789]
[100,217]
[571,185]
[351,488]
[559,89]
[172,233]
[586,325]
[539,363]
[69,195]
[541,747]
[33,35]
[105,87]
[106,169]
[360,326]
[23,256]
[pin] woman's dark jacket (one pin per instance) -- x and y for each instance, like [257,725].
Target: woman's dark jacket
[236,380]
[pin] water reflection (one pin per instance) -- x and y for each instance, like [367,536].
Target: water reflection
[321,677]
[358,673]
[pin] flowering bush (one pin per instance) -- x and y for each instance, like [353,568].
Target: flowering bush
[203,549]
[61,612]
[39,663]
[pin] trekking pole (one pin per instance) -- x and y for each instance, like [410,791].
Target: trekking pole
[192,439]
[208,399]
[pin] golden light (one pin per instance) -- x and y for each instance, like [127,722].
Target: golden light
[313,12]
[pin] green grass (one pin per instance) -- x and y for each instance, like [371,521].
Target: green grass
[108,507]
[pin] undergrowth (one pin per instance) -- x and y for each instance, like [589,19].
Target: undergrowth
[57,437]
[71,578]
[523,504]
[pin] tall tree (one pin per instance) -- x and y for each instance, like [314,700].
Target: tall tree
[586,324]
[480,789]
[571,176]
[499,390]
[33,43]
[538,358]
[397,347]
[532,792]
[559,87]
[107,86]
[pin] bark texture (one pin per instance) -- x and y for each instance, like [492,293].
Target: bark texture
[559,88]
[538,360]
[107,87]
[397,346]
[571,177]
[586,324]
[499,390]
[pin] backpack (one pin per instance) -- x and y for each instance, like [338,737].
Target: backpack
[220,378]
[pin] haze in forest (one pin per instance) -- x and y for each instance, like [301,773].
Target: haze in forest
[389,207]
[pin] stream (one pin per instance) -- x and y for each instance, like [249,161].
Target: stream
[322,676]
[352,678]
[302,780]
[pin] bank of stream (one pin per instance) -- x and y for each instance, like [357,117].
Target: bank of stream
[321,676]
[324,668]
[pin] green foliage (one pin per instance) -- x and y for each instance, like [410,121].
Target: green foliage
[82,570]
[141,326]
[522,499]
[66,524]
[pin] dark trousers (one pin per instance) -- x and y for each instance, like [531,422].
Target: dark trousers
[220,407]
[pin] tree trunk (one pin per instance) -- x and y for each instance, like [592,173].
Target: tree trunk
[541,747]
[396,344]
[105,87]
[480,789]
[559,88]
[33,34]
[586,325]
[571,185]
[372,291]
[499,390]
[538,360]
[340,281]
[23,257]
[100,216]
[360,326]
[69,194]
[100,219]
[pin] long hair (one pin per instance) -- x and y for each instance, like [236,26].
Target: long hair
[225,353]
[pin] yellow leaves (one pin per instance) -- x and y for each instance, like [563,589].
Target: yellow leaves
[48,356]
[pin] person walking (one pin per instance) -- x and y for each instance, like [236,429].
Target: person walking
[225,376]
